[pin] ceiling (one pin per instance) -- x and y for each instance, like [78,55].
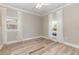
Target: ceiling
[31,7]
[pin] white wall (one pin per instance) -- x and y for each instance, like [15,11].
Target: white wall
[32,25]
[71,24]
[45,25]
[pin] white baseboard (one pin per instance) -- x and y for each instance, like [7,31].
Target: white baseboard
[1,46]
[70,44]
[23,40]
[66,43]
[11,42]
[45,37]
[31,38]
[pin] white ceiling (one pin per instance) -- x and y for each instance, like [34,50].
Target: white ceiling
[31,7]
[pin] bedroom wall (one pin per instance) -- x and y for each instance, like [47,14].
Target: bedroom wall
[45,25]
[71,24]
[32,25]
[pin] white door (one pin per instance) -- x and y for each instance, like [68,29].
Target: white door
[59,18]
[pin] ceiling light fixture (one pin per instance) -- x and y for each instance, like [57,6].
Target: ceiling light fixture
[39,5]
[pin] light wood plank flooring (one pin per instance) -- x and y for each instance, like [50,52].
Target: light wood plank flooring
[38,46]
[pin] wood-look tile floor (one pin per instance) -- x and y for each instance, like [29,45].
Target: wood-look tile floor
[38,46]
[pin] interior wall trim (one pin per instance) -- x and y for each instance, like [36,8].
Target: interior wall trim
[33,13]
[54,10]
[18,9]
[64,42]
[11,42]
[72,45]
